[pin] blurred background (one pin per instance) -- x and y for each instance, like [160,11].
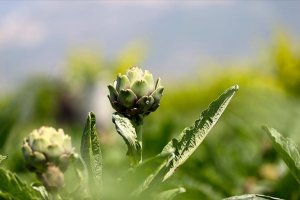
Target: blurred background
[56,59]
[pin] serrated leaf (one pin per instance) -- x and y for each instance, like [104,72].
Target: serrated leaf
[126,129]
[12,186]
[2,158]
[91,150]
[252,197]
[188,141]
[192,137]
[169,194]
[287,150]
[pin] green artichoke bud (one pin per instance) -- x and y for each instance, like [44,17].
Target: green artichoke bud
[47,146]
[136,93]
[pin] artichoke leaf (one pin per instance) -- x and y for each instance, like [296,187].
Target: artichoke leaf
[91,151]
[126,129]
[181,148]
[11,187]
[191,137]
[288,151]
[252,197]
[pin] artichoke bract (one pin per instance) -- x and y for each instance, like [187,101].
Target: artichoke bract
[136,93]
[47,146]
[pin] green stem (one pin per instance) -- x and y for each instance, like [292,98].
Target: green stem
[138,125]
[140,139]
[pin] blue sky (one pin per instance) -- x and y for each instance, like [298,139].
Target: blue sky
[35,36]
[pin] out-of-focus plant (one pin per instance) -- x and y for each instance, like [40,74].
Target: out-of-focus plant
[287,63]
[84,68]
[48,152]
[287,150]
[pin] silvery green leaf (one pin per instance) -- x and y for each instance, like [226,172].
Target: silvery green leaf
[12,186]
[287,150]
[192,137]
[181,148]
[2,158]
[252,197]
[169,194]
[127,130]
[91,151]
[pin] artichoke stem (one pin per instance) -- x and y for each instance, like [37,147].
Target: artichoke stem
[138,125]
[52,178]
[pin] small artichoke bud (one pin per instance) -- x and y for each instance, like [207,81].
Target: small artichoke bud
[47,146]
[136,93]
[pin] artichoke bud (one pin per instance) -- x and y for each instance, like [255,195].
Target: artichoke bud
[46,146]
[136,93]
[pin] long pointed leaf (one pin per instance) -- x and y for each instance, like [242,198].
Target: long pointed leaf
[288,151]
[91,151]
[192,137]
[188,141]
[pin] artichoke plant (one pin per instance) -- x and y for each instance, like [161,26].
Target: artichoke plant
[136,93]
[48,152]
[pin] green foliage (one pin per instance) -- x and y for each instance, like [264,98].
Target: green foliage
[84,67]
[288,151]
[126,129]
[2,158]
[232,161]
[192,137]
[42,191]
[169,194]
[11,187]
[91,151]
[188,141]
[252,197]
[287,63]
[8,118]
